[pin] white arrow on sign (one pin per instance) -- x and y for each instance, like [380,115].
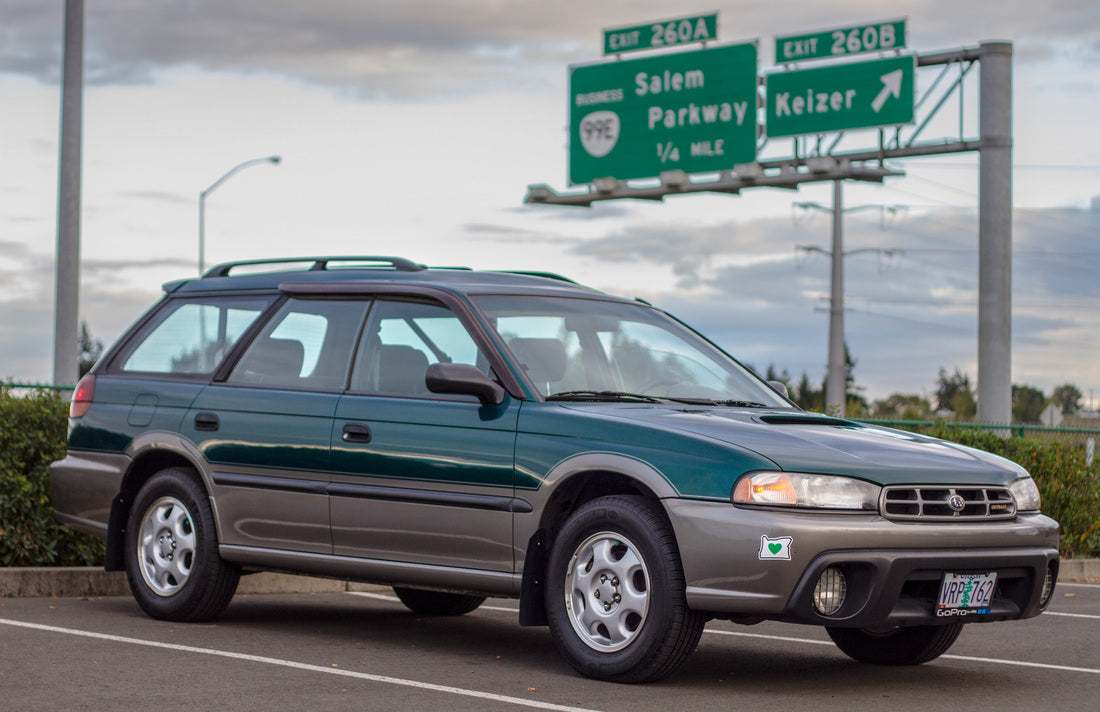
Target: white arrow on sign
[891,86]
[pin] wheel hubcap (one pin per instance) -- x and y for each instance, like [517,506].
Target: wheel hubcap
[166,546]
[607,592]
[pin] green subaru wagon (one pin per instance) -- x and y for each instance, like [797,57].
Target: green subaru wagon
[460,434]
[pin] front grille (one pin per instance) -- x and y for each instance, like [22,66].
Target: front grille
[948,504]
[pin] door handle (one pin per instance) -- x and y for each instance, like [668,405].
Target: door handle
[206,421]
[356,433]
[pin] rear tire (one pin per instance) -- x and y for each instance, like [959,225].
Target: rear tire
[437,603]
[615,597]
[905,646]
[171,550]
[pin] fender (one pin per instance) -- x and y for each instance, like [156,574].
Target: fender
[533,538]
[176,450]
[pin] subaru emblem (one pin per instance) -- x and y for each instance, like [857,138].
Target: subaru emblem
[956,502]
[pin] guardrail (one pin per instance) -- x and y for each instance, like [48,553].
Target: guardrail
[1084,437]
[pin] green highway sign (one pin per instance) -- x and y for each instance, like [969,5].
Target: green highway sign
[694,111]
[653,35]
[841,97]
[841,42]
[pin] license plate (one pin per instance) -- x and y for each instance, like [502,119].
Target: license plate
[966,594]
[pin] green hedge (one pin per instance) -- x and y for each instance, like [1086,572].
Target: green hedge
[1070,488]
[32,435]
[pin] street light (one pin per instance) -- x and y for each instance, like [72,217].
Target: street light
[211,189]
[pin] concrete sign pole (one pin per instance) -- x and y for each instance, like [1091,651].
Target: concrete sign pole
[65,334]
[995,235]
[835,379]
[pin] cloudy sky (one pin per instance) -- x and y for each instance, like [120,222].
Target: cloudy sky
[414,127]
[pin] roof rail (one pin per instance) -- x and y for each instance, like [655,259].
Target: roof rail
[399,264]
[535,273]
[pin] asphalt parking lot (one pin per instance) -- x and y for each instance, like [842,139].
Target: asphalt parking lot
[337,651]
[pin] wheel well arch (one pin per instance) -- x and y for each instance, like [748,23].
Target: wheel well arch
[143,467]
[572,492]
[582,487]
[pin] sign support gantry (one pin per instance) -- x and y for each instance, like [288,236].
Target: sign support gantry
[823,162]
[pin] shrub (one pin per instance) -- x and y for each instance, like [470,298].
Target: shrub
[32,435]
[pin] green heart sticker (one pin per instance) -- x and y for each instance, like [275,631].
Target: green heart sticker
[775,547]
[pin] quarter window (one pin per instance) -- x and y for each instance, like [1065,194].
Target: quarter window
[191,337]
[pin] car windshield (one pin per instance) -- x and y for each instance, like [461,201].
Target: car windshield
[590,349]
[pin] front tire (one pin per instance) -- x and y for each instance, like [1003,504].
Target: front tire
[171,548]
[437,603]
[904,646]
[615,593]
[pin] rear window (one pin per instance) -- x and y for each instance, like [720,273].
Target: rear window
[191,337]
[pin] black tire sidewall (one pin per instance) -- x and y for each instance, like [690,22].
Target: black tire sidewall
[631,517]
[437,603]
[907,646]
[189,601]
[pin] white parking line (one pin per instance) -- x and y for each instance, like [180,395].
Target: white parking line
[997,661]
[788,639]
[301,666]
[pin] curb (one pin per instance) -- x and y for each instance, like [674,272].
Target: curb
[87,582]
[94,582]
[1078,570]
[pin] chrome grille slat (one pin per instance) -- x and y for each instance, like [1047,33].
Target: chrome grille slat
[932,503]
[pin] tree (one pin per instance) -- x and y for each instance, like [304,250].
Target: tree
[1027,404]
[89,349]
[773,375]
[807,397]
[954,393]
[1068,398]
[899,406]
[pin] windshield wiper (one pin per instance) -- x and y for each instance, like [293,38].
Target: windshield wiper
[709,401]
[602,396]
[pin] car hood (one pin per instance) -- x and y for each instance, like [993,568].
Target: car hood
[810,442]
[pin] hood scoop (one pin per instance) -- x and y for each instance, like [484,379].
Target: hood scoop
[803,419]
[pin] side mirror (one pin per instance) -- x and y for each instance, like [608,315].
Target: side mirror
[781,388]
[463,379]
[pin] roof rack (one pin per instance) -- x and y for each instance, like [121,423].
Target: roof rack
[535,273]
[399,264]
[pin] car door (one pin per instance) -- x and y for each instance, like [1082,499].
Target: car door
[420,477]
[265,430]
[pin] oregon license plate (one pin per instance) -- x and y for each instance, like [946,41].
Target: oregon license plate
[966,594]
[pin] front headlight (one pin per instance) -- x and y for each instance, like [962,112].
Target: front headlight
[795,489]
[1026,494]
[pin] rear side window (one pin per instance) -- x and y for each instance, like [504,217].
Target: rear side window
[307,344]
[191,337]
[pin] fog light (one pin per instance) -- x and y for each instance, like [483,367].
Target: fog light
[1048,589]
[830,591]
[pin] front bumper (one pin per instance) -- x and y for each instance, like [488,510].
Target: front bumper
[901,588]
[894,568]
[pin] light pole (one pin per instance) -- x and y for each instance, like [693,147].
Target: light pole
[211,189]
